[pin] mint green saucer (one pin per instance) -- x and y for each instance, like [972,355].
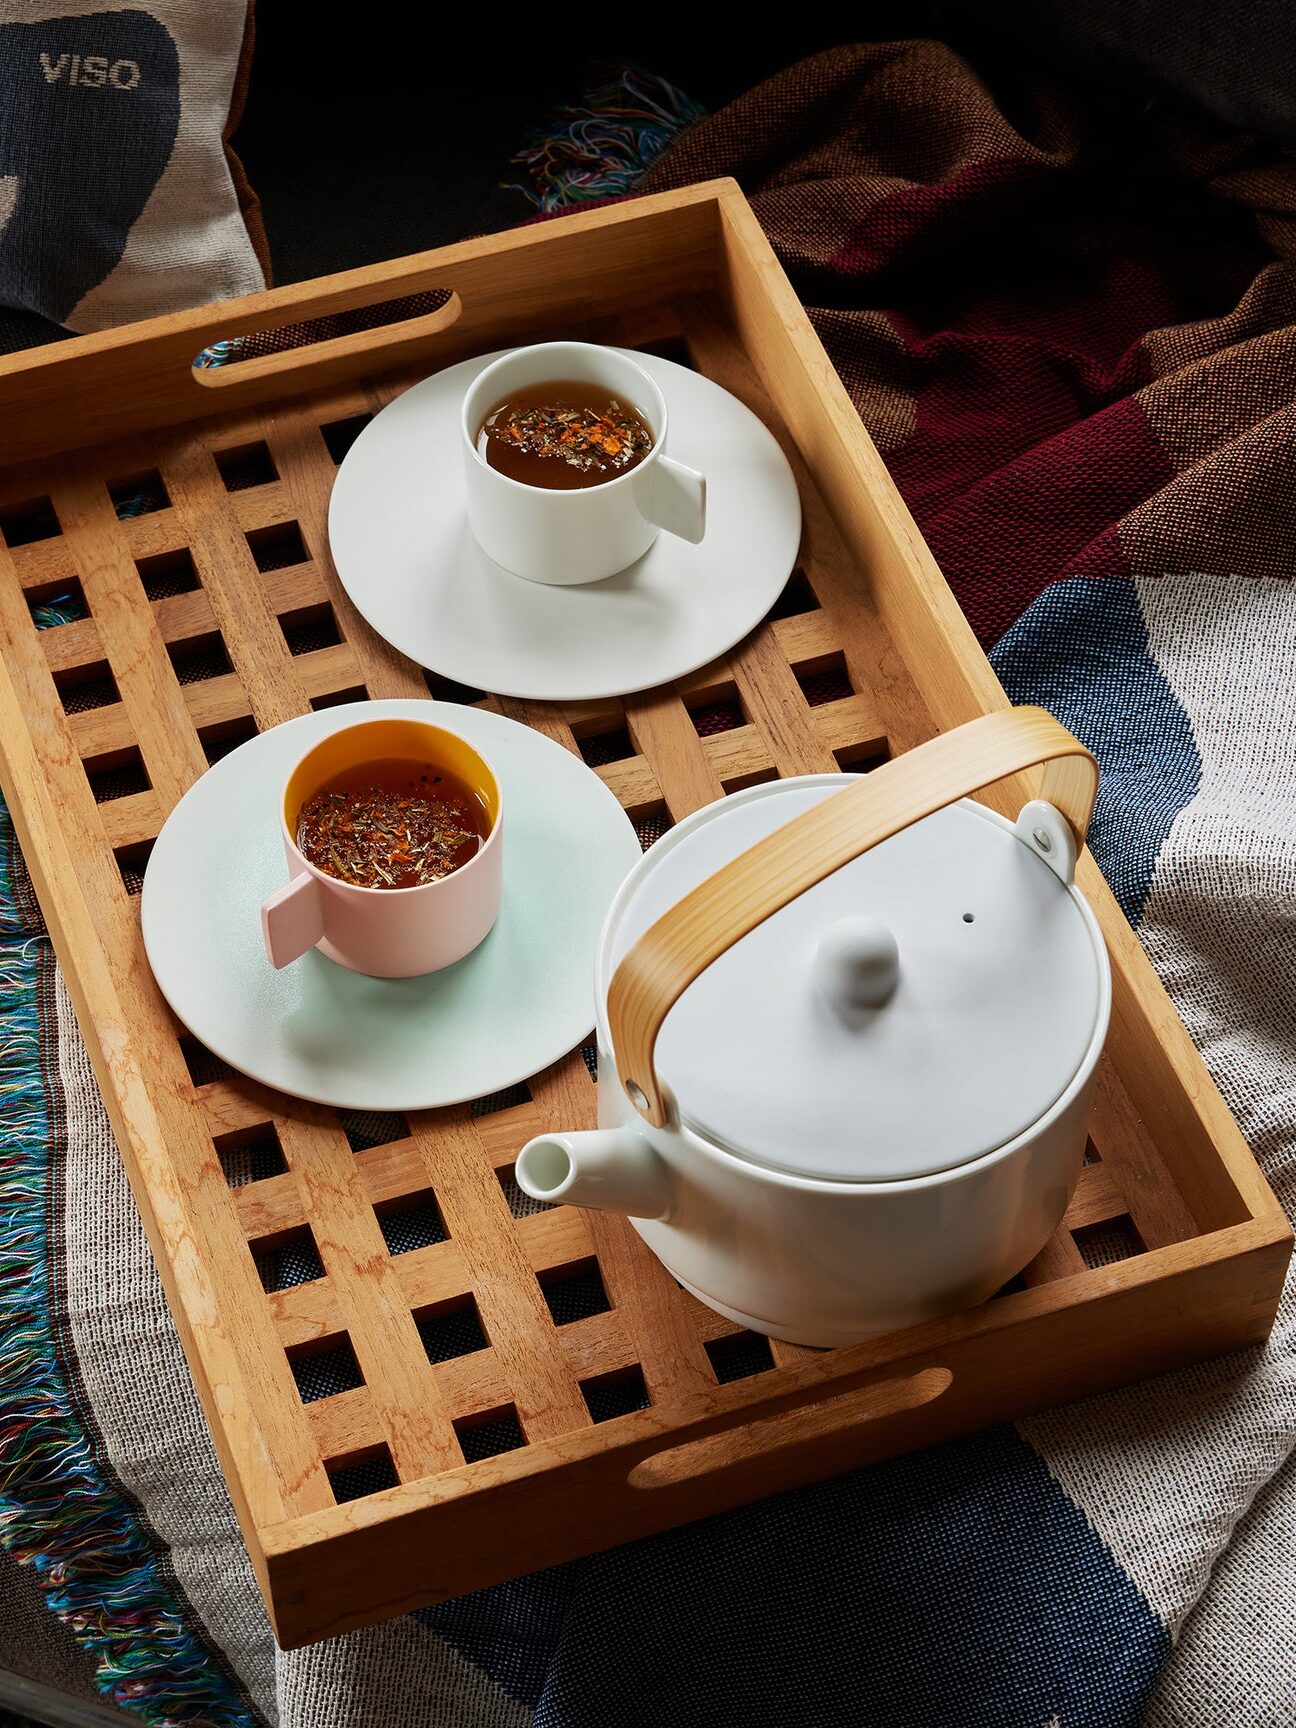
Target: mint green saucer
[517,1003]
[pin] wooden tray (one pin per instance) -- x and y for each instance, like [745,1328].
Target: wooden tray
[212,611]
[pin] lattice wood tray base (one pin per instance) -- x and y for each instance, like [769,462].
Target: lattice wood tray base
[506,1386]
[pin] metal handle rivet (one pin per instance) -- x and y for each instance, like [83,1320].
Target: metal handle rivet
[637,1096]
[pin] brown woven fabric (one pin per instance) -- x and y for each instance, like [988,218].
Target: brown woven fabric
[1067,327]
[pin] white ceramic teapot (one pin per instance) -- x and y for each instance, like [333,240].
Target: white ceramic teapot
[848,1028]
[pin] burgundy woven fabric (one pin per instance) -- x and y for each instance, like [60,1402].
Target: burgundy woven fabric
[1068,331]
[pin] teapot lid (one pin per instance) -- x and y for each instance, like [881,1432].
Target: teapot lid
[920,1007]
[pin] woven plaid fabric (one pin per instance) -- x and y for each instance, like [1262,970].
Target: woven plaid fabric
[1066,331]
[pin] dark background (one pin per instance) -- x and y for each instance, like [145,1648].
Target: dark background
[363,150]
[384,140]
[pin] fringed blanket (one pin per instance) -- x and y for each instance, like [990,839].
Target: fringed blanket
[1068,332]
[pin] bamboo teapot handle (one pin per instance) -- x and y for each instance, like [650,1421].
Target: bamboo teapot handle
[759,882]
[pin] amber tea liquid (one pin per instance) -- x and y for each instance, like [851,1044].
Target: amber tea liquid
[563,436]
[392,823]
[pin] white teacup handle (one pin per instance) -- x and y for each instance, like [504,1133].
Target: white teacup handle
[674,497]
[292,920]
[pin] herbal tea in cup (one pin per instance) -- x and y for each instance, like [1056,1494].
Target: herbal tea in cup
[395,823]
[392,833]
[563,435]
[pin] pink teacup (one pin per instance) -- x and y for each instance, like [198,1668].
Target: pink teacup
[385,932]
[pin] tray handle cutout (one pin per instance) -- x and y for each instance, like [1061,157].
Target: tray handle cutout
[811,1420]
[264,350]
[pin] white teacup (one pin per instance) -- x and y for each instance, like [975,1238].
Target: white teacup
[585,534]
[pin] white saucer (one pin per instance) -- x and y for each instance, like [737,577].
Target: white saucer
[516,1004]
[405,555]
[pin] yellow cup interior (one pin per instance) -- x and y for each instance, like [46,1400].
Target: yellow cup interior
[383,740]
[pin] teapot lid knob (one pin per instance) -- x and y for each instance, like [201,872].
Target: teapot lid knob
[857,965]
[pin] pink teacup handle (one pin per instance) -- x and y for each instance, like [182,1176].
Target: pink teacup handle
[292,920]
[675,499]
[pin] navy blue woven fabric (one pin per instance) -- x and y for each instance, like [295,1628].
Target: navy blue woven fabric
[1081,651]
[957,1588]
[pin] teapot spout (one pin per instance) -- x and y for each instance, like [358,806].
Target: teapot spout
[610,1169]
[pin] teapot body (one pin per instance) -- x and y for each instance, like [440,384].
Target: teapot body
[893,1002]
[830,1263]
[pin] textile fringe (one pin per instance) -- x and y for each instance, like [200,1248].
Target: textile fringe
[600,149]
[59,609]
[95,1564]
[219,354]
